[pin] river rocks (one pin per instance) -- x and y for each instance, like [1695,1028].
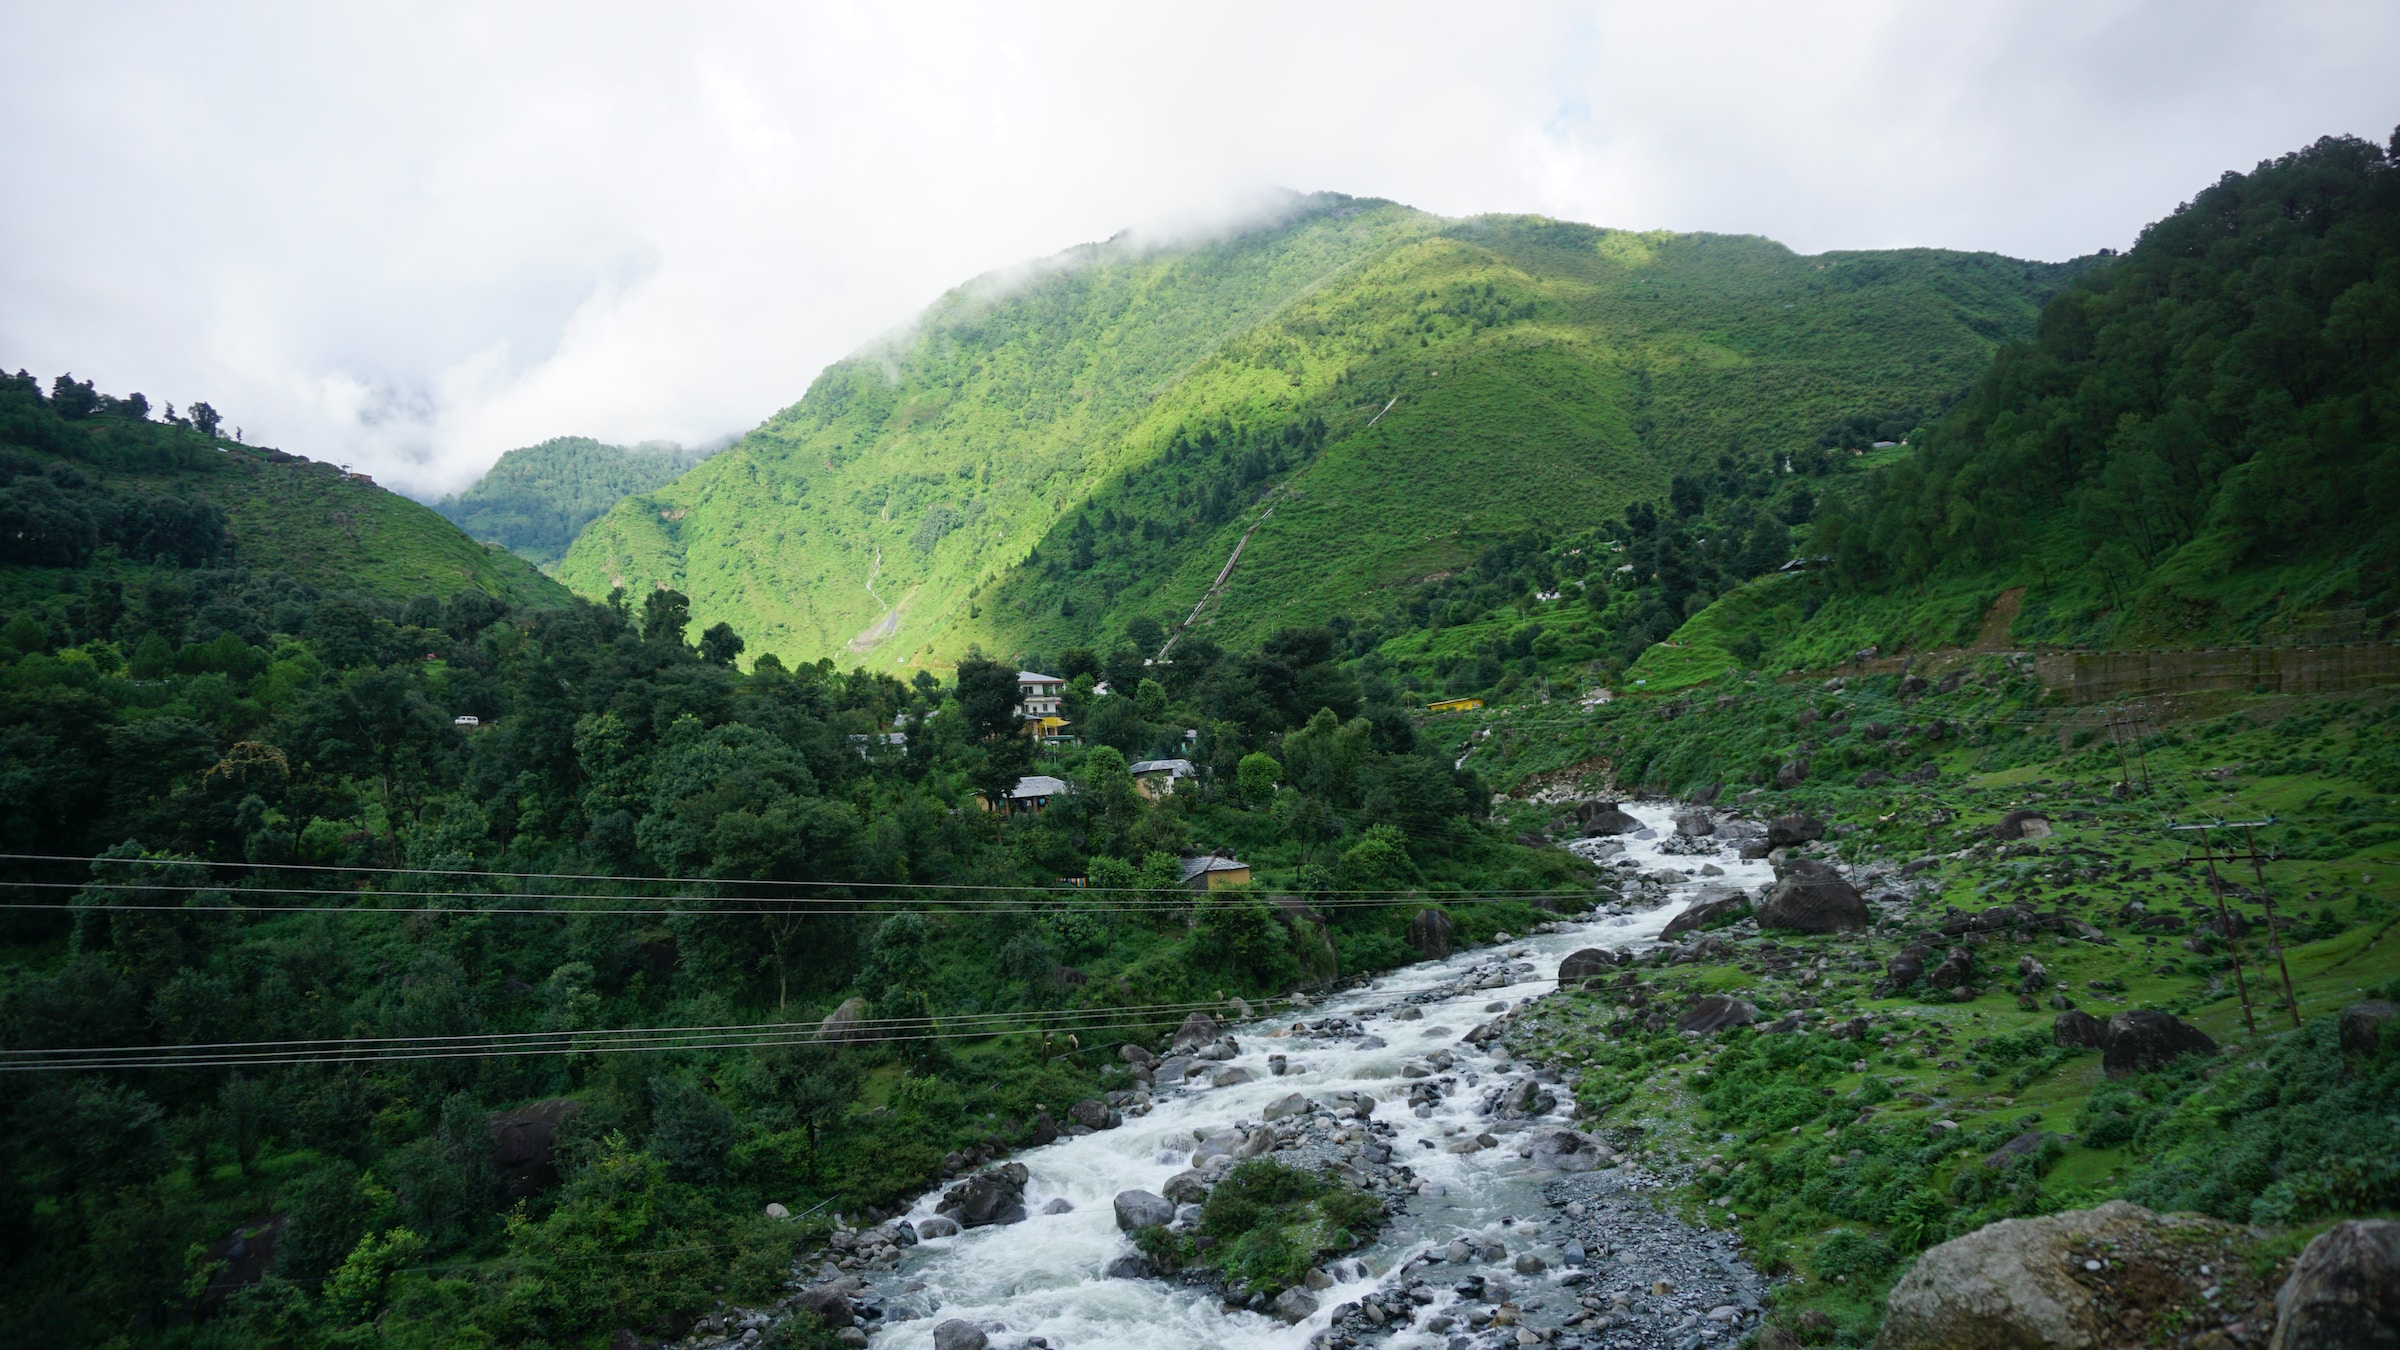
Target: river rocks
[1812,898]
[2143,1039]
[993,1197]
[2023,1283]
[1172,1070]
[829,1302]
[525,1146]
[939,1226]
[1715,1013]
[1292,1104]
[2076,1028]
[1567,1151]
[1199,1029]
[1704,915]
[1604,818]
[1141,1209]
[1695,825]
[2362,1026]
[843,1026]
[1231,1077]
[1135,1055]
[2022,825]
[1131,1266]
[1093,1114]
[958,1335]
[1586,963]
[1188,1187]
[1294,1305]
[2344,1291]
[1431,934]
[1785,831]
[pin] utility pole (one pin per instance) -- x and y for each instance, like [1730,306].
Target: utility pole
[2116,719]
[2216,892]
[2257,861]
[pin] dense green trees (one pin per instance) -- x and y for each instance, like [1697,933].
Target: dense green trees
[536,499]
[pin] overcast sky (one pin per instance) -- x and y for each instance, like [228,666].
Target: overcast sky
[412,236]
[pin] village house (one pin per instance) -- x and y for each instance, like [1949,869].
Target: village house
[1215,870]
[1155,778]
[1031,796]
[1039,699]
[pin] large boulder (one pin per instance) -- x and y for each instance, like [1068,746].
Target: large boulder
[1716,1012]
[1812,898]
[959,1335]
[1567,1151]
[1294,1305]
[1141,1209]
[1431,934]
[995,1196]
[2344,1291]
[2020,1284]
[1586,963]
[1599,818]
[1791,773]
[2145,1039]
[2363,1026]
[1093,1114]
[2076,1029]
[829,1302]
[1290,1104]
[524,1147]
[1135,1055]
[1187,1187]
[2022,825]
[1695,825]
[1197,1029]
[1907,966]
[939,1226]
[842,1025]
[1797,828]
[1706,914]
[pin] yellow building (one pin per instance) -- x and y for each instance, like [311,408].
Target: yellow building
[1455,705]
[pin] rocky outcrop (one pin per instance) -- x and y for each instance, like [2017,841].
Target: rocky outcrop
[1797,828]
[1197,1029]
[1586,963]
[1431,934]
[1812,898]
[2143,1040]
[993,1197]
[2079,1279]
[2363,1024]
[524,1148]
[842,1025]
[1715,1013]
[2344,1291]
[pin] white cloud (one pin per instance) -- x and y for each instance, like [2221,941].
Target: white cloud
[411,237]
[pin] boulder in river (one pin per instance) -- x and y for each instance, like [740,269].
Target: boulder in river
[1797,828]
[939,1226]
[2344,1291]
[1705,914]
[1141,1209]
[1131,1266]
[1290,1104]
[2362,1026]
[1187,1187]
[842,1025]
[1812,898]
[995,1196]
[2143,1039]
[1093,1114]
[1695,825]
[1586,963]
[956,1334]
[1431,934]
[1294,1305]
[1716,1012]
[1197,1029]
[1604,818]
[1567,1151]
[829,1302]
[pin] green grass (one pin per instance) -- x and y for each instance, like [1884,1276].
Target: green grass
[1544,373]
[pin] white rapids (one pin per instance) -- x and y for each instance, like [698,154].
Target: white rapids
[1043,1277]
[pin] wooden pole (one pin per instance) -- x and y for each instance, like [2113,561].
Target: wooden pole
[2225,923]
[2258,868]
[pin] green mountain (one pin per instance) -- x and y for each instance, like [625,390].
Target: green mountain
[537,498]
[92,487]
[1368,394]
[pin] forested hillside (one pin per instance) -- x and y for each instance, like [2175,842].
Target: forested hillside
[1041,462]
[537,498]
[101,503]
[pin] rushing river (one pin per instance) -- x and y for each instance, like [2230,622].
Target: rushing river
[1043,1277]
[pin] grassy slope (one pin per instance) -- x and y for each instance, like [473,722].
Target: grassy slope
[537,498]
[316,523]
[1545,372]
[2325,767]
